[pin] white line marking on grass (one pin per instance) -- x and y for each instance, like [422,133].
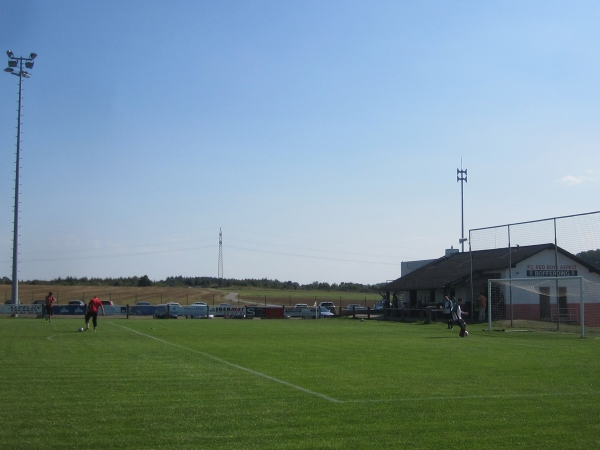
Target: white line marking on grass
[468,397]
[253,372]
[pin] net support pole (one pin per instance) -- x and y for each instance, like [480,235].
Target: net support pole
[471,270]
[556,274]
[489,305]
[581,307]
[510,299]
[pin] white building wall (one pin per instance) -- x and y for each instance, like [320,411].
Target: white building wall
[544,265]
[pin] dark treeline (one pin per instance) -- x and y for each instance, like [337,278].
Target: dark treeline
[204,282]
[590,256]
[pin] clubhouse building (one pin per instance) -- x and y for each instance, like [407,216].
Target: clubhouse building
[466,274]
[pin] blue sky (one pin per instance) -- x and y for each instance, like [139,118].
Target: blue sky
[322,137]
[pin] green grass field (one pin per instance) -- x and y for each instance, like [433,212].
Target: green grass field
[293,384]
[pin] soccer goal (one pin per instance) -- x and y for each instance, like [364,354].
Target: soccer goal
[567,303]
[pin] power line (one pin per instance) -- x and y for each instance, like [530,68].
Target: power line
[315,257]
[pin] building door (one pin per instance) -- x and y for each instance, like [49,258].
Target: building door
[563,309]
[413,299]
[545,303]
[413,302]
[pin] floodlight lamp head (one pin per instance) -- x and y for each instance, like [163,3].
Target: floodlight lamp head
[9,70]
[24,74]
[29,64]
[12,63]
[32,56]
[9,53]
[461,240]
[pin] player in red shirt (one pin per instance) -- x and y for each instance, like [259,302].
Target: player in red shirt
[49,300]
[92,312]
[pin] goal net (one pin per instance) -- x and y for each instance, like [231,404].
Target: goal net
[569,304]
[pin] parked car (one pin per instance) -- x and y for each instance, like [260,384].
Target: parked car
[309,313]
[356,307]
[329,305]
[173,308]
[142,309]
[39,302]
[160,312]
[76,302]
[107,303]
[324,312]
[300,305]
[164,311]
[200,309]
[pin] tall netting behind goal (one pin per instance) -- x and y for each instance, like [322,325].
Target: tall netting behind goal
[568,304]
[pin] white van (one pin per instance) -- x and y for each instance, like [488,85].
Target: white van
[307,313]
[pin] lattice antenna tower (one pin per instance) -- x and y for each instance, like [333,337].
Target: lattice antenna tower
[220,256]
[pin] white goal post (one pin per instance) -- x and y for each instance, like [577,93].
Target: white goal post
[550,303]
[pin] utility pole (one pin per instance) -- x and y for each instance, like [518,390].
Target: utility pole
[461,175]
[220,257]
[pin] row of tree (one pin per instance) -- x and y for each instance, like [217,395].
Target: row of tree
[590,256]
[203,282]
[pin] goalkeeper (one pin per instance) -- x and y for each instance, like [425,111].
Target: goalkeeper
[457,314]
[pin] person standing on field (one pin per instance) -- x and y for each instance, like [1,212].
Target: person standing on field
[482,303]
[92,312]
[49,300]
[458,313]
[448,311]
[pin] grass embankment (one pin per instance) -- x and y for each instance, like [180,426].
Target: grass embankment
[185,296]
[119,295]
[291,297]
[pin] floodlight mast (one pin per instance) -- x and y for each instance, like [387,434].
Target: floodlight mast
[13,62]
[461,175]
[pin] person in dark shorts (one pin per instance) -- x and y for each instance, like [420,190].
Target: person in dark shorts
[92,312]
[457,312]
[49,300]
[448,312]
